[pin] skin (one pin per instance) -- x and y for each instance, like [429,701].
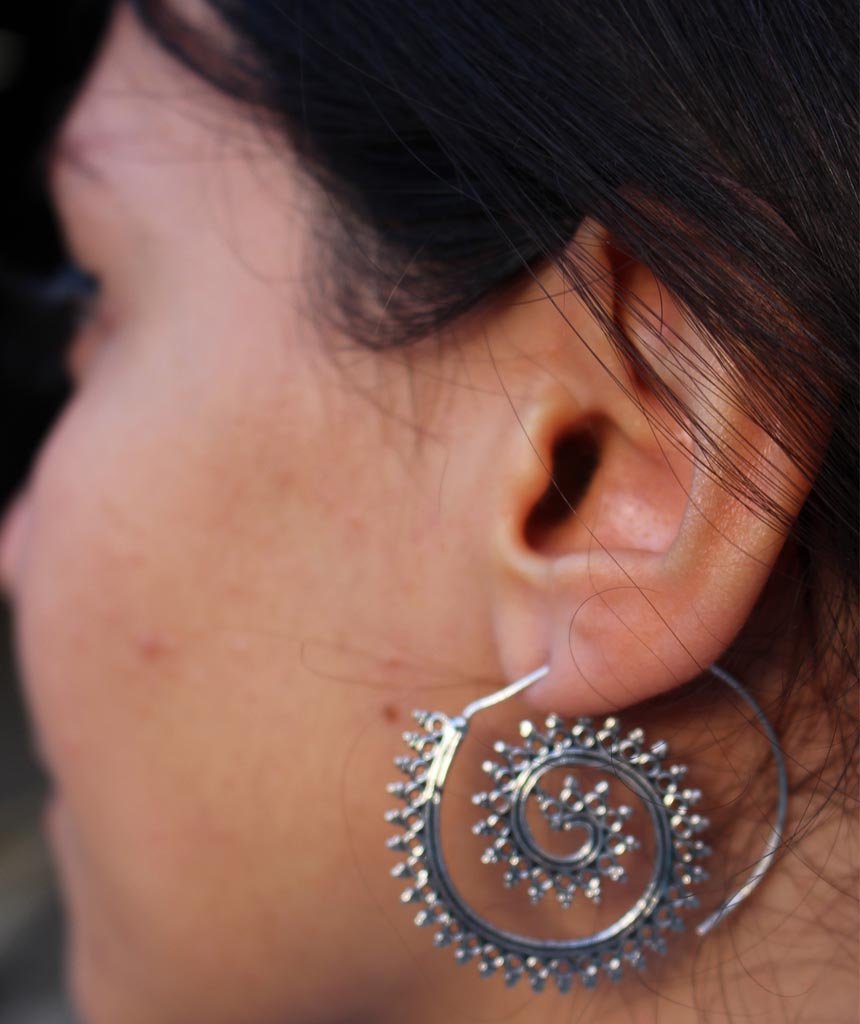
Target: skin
[248,548]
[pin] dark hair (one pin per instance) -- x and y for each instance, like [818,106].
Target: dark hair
[461,144]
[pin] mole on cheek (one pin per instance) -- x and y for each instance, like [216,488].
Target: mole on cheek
[390,713]
[152,647]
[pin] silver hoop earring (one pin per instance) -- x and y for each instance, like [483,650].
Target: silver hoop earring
[679,848]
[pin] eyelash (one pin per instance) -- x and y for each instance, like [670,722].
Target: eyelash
[67,301]
[71,289]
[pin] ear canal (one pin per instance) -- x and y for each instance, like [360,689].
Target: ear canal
[574,461]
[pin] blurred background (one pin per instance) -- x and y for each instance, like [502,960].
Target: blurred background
[44,48]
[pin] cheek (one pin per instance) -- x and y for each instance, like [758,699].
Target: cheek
[95,651]
[144,536]
[160,648]
[74,573]
[99,636]
[143,507]
[85,564]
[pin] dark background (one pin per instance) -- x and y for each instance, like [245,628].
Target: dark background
[44,48]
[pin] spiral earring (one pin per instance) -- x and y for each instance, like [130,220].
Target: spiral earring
[516,775]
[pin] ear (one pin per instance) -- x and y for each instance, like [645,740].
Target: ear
[621,558]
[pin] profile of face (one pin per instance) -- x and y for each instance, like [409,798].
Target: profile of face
[250,547]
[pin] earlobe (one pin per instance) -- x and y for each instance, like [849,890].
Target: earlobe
[636,565]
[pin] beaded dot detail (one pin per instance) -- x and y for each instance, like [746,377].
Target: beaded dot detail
[518,775]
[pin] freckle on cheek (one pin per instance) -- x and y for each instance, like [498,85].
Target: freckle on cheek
[390,713]
[152,648]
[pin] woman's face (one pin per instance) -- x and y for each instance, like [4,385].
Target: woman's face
[246,550]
